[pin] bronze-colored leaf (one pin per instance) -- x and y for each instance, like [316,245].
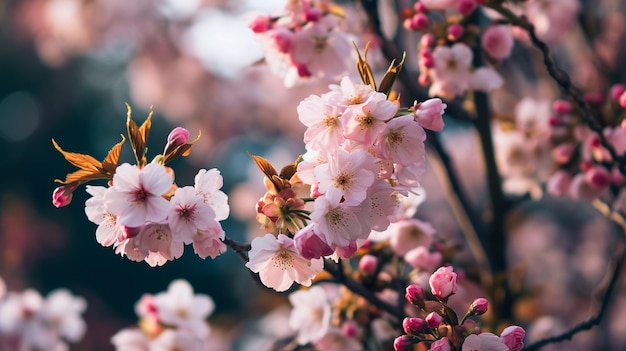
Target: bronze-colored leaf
[391,75]
[82,176]
[180,150]
[264,165]
[81,161]
[364,69]
[289,170]
[112,159]
[136,136]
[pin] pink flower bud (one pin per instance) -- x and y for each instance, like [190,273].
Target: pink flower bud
[177,137]
[419,22]
[440,345]
[423,79]
[498,41]
[479,306]
[282,38]
[62,196]
[419,7]
[368,264]
[513,337]
[260,24]
[312,14]
[562,107]
[622,100]
[404,342]
[427,40]
[443,282]
[429,114]
[413,326]
[598,176]
[466,7]
[350,329]
[455,32]
[303,70]
[310,245]
[415,295]
[433,320]
[616,91]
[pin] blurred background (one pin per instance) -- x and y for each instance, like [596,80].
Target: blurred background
[68,66]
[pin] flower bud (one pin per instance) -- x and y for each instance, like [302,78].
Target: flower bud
[260,24]
[479,306]
[310,245]
[455,32]
[177,137]
[62,196]
[368,264]
[419,7]
[413,325]
[419,22]
[562,106]
[415,295]
[622,100]
[513,337]
[312,14]
[433,320]
[350,329]
[443,282]
[466,7]
[429,114]
[404,342]
[616,91]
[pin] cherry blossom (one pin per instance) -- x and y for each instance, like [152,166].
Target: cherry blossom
[136,195]
[188,213]
[279,264]
[311,314]
[109,229]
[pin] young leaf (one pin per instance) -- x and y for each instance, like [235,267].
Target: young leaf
[138,135]
[390,75]
[112,159]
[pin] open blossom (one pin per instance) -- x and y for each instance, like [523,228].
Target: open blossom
[348,93]
[409,234]
[210,241]
[338,223]
[513,337]
[208,184]
[109,229]
[181,308]
[451,73]
[311,314]
[188,214]
[347,175]
[279,264]
[402,141]
[364,122]
[443,282]
[483,342]
[136,196]
[324,125]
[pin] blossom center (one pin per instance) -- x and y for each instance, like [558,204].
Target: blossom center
[330,121]
[283,259]
[343,181]
[320,43]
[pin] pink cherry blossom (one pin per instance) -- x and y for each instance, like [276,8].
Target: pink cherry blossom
[348,93]
[279,264]
[483,342]
[513,337]
[347,175]
[364,122]
[136,196]
[497,40]
[156,242]
[409,234]
[339,224]
[402,141]
[208,184]
[109,229]
[421,258]
[176,340]
[181,308]
[311,314]
[188,214]
[309,243]
[443,282]
[386,206]
[209,242]
[451,73]
[324,127]
[429,114]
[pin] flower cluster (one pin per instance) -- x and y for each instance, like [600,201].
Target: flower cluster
[29,321]
[143,214]
[170,320]
[303,41]
[439,327]
[588,160]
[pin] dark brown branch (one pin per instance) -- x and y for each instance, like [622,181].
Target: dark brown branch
[563,80]
[240,248]
[337,272]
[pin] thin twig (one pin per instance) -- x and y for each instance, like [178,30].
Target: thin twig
[595,320]
[240,248]
[336,271]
